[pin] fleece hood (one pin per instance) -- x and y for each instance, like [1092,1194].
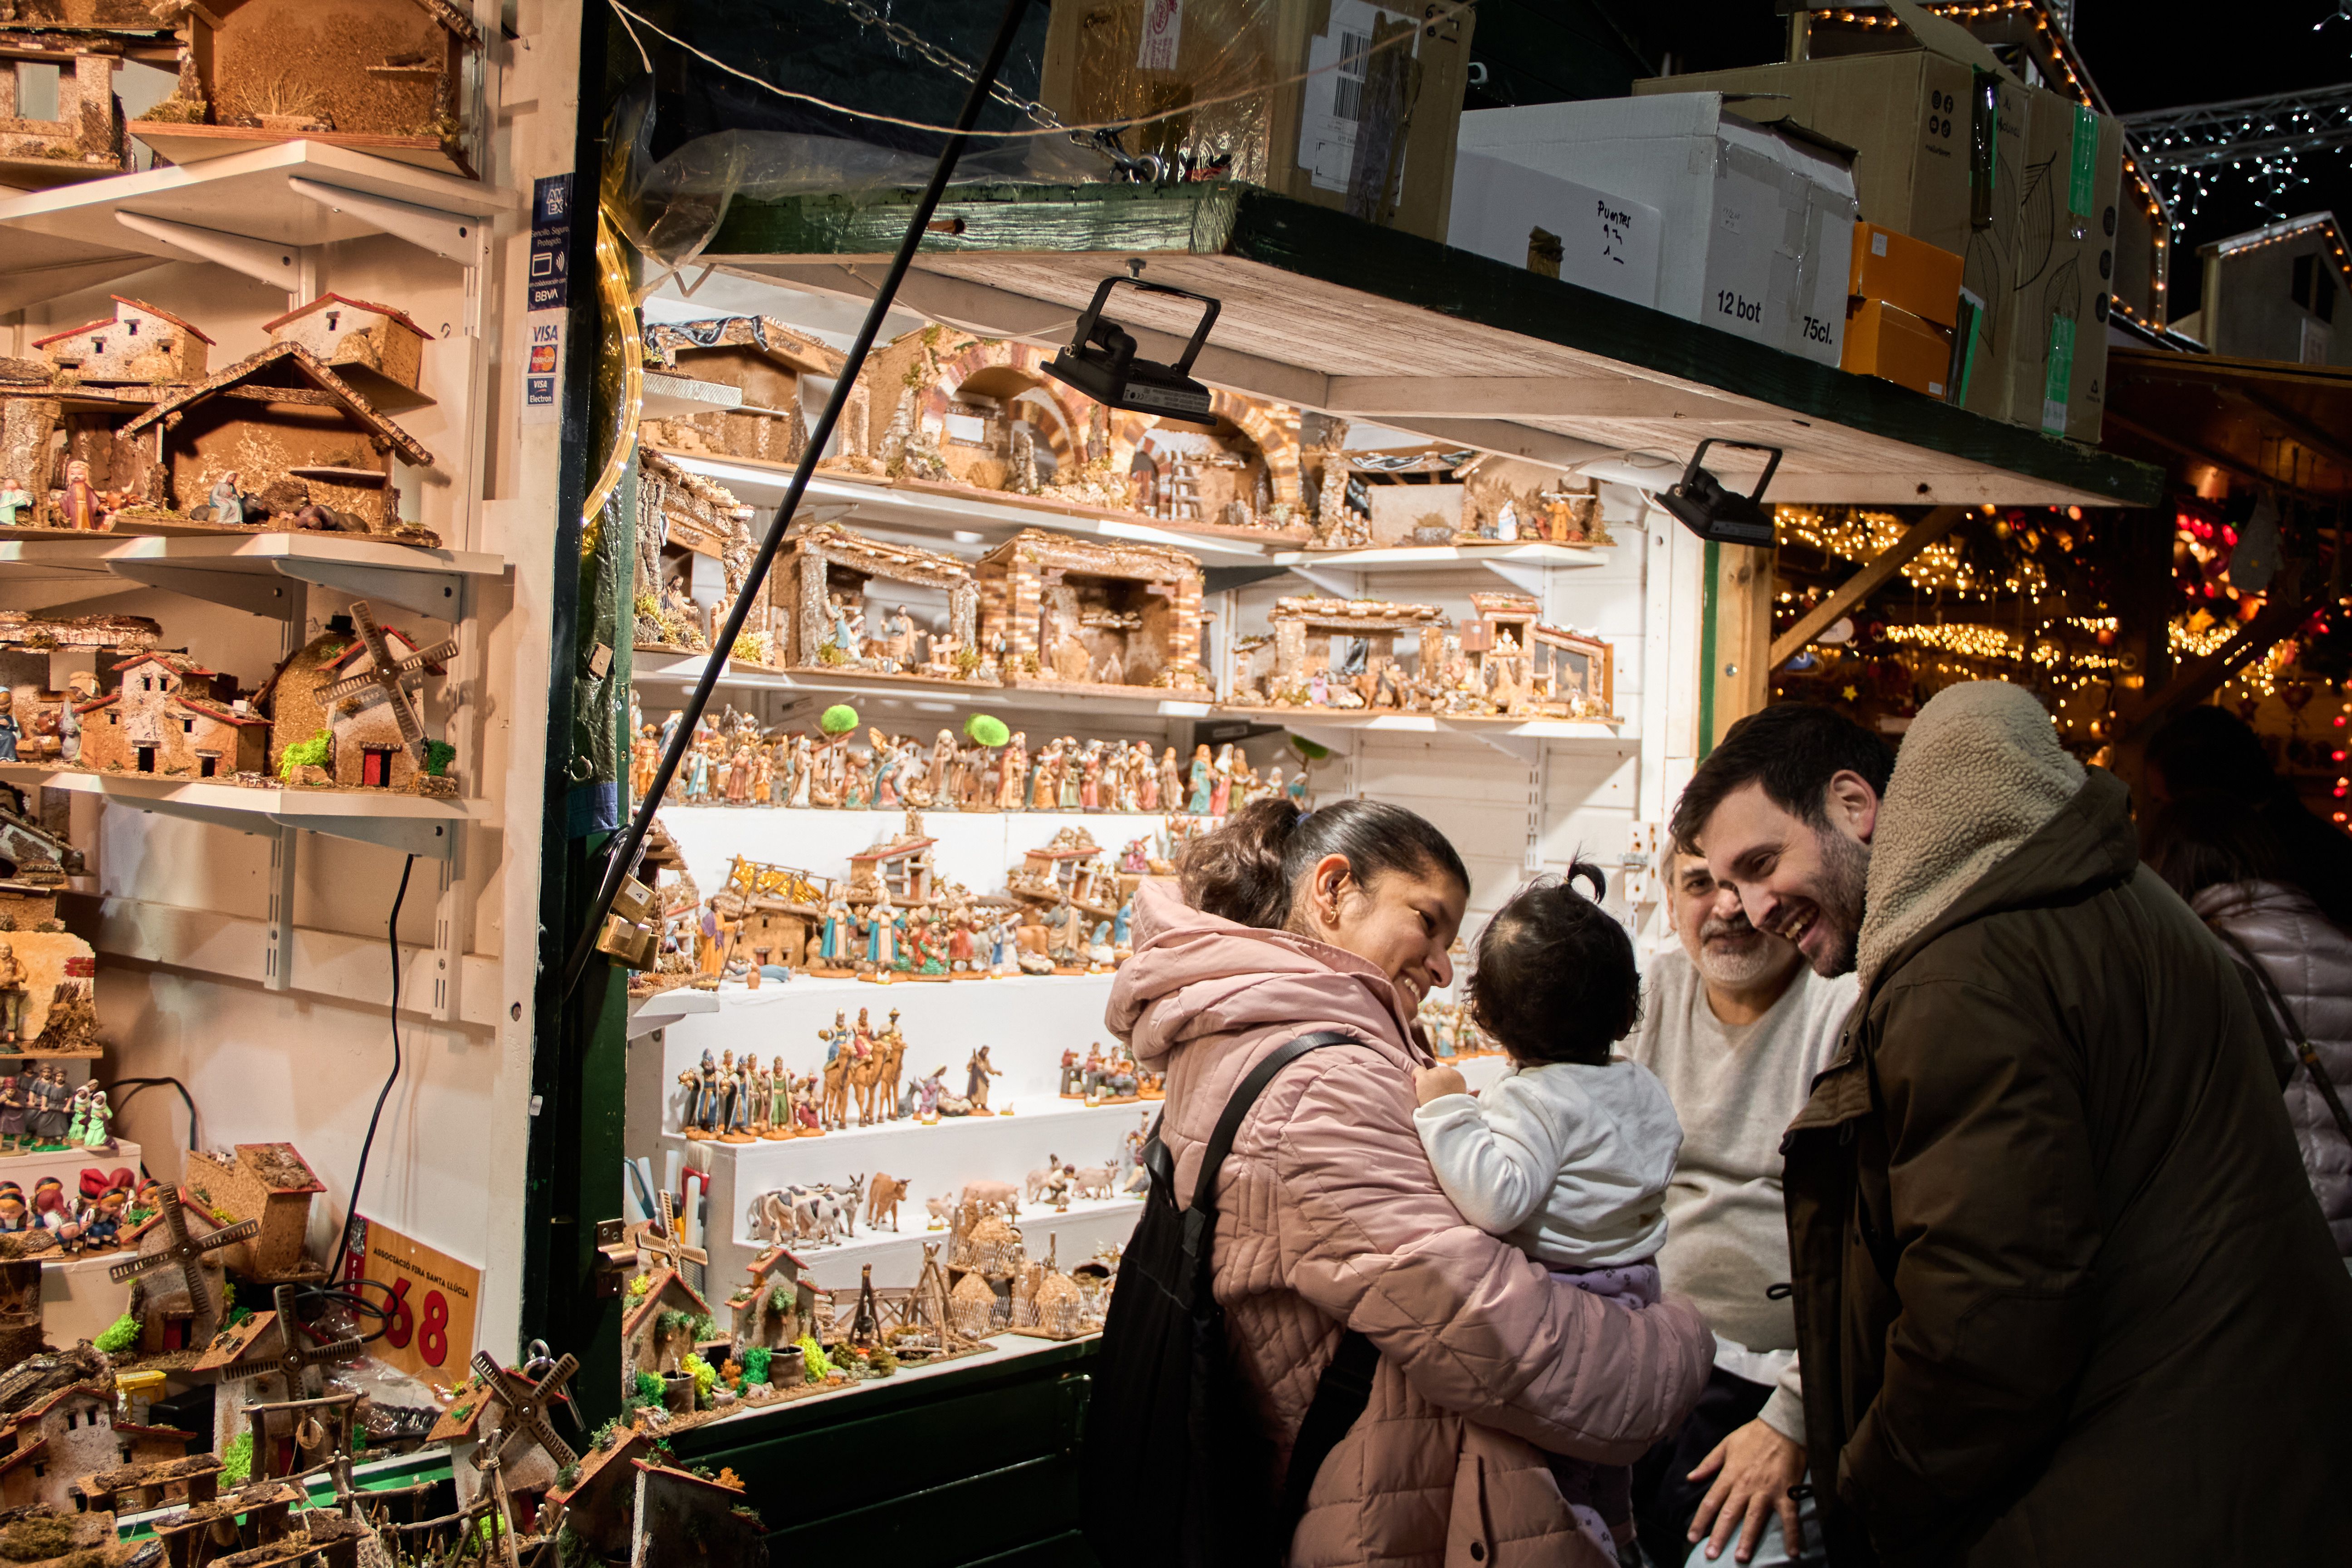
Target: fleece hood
[1980,775]
[1194,975]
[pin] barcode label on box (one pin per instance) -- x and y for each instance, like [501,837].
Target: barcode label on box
[1163,25]
[1348,92]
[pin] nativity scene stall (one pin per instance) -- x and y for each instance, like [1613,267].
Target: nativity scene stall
[1088,615]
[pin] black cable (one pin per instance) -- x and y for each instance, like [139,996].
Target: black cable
[622,854]
[392,936]
[385,1313]
[136,1084]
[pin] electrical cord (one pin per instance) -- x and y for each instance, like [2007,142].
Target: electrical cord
[136,1084]
[391,938]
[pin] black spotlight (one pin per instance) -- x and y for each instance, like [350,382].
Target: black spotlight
[1719,515]
[1100,361]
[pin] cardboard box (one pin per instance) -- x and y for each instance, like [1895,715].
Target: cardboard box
[1373,137]
[1531,219]
[1906,273]
[1938,134]
[1897,346]
[1756,221]
[2066,266]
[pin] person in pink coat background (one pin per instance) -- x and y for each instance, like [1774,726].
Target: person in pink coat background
[1330,1217]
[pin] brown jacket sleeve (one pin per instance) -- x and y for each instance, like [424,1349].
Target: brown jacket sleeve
[1477,1326]
[1991,1220]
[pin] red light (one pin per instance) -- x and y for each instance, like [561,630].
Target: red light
[2338,756]
[2229,534]
[2339,720]
[2209,590]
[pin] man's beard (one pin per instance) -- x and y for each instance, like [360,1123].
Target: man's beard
[1842,895]
[1740,965]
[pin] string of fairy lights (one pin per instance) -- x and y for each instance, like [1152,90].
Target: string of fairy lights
[1993,613]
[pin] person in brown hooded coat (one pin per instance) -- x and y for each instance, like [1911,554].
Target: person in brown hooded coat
[2063,1294]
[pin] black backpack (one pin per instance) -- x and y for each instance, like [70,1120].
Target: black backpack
[1178,1470]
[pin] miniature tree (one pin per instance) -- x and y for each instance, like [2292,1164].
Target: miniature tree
[987,730]
[838,719]
[313,752]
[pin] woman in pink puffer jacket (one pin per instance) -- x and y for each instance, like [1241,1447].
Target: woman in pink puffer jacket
[1330,1217]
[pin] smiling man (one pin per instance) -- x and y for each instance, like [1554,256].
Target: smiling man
[2061,1293]
[1735,1026]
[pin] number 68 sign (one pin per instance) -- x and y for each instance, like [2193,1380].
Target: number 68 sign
[432,1296]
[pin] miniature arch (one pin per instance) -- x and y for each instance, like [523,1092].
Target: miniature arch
[993,366]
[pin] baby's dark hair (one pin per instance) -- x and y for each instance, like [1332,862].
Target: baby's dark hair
[1556,980]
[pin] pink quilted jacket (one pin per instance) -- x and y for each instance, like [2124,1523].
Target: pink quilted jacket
[1330,1215]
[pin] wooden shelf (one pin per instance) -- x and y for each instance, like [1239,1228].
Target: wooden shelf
[253,572]
[1326,312]
[418,825]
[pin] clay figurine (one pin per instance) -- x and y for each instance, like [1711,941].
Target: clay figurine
[81,506]
[15,501]
[228,506]
[10,730]
[977,1072]
[13,996]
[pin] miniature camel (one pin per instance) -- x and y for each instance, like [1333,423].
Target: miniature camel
[833,1110]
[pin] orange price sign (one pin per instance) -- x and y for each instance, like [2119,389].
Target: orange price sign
[433,1300]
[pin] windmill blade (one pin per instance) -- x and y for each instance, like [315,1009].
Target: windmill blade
[333,1350]
[371,634]
[131,1267]
[351,686]
[192,1274]
[411,731]
[490,1372]
[439,653]
[229,1236]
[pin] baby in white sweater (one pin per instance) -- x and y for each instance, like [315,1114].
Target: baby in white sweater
[1568,1155]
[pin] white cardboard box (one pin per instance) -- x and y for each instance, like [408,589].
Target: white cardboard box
[1756,221]
[1607,243]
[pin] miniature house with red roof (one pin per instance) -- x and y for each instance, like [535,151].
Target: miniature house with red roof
[778,1306]
[652,1337]
[270,1182]
[136,345]
[294,434]
[600,1506]
[899,865]
[355,339]
[369,752]
[69,1434]
[170,717]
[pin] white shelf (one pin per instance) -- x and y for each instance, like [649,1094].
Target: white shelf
[254,572]
[71,237]
[686,668]
[664,1008]
[414,824]
[1523,565]
[665,397]
[986,522]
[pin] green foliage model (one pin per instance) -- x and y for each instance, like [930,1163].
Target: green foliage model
[755,1364]
[815,1360]
[120,1335]
[310,753]
[838,719]
[705,1375]
[439,756]
[236,1460]
[987,729]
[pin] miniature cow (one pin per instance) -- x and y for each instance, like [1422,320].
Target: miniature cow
[882,1199]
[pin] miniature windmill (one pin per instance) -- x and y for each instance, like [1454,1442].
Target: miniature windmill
[526,1412]
[391,676]
[297,1363]
[659,1238]
[187,1251]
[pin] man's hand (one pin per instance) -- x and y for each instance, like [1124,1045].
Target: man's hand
[1428,1083]
[1753,1470]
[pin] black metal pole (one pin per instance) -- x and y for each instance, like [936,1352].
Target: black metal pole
[623,853]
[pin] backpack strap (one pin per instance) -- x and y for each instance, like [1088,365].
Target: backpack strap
[1346,1386]
[1201,1218]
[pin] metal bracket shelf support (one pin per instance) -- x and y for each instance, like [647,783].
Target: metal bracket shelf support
[449,235]
[440,595]
[279,266]
[238,590]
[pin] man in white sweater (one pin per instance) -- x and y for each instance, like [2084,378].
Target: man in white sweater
[1736,1026]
